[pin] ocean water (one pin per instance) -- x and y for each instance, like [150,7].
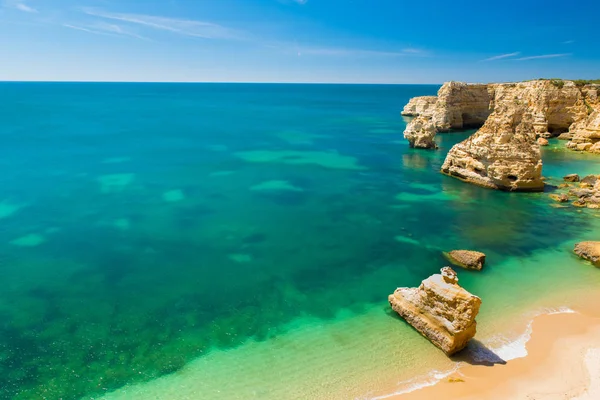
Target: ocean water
[203,241]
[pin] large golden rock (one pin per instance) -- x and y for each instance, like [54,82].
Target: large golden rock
[505,154]
[420,133]
[440,310]
[467,259]
[589,251]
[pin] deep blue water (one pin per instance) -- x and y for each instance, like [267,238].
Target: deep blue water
[142,225]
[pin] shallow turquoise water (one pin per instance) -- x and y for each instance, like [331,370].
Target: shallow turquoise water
[145,225]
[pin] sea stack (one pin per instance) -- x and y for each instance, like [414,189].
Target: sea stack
[515,118]
[440,310]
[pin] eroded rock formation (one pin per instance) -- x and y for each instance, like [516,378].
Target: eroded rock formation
[420,133]
[504,153]
[589,251]
[458,105]
[422,105]
[585,135]
[440,310]
[462,105]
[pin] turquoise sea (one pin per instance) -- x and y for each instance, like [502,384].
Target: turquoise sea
[224,241]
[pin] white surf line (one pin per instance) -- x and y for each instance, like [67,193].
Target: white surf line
[507,350]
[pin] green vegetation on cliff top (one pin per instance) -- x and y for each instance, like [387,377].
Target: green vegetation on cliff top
[578,82]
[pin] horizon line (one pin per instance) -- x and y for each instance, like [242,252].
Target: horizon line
[217,82]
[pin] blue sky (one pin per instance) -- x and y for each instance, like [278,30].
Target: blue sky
[379,41]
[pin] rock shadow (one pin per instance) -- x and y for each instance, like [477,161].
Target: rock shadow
[476,353]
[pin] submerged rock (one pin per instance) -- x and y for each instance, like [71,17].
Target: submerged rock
[561,198]
[440,310]
[589,251]
[565,136]
[467,259]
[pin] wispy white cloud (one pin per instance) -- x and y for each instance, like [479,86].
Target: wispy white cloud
[19,5]
[350,52]
[102,28]
[502,56]
[412,50]
[203,29]
[117,30]
[543,56]
[568,42]
[84,29]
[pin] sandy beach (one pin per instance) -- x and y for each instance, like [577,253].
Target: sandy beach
[563,362]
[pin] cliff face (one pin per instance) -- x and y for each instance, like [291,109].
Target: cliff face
[504,153]
[461,105]
[585,133]
[458,105]
[422,105]
[440,310]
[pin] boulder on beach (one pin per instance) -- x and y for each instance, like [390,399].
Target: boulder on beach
[440,310]
[589,251]
[467,259]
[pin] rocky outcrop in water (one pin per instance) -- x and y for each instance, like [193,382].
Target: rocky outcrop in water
[458,105]
[583,193]
[498,158]
[420,133]
[589,251]
[571,178]
[440,310]
[504,153]
[467,259]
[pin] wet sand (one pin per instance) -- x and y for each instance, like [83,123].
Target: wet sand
[563,362]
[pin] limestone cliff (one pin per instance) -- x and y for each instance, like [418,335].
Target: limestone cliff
[504,153]
[440,310]
[422,105]
[461,105]
[458,105]
[585,132]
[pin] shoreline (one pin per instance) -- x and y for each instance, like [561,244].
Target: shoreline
[379,362]
[562,362]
